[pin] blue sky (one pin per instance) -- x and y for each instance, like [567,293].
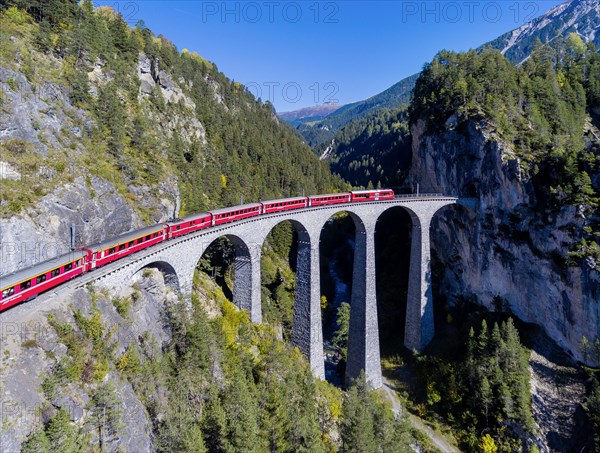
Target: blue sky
[302,53]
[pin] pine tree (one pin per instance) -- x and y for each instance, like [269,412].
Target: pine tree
[214,423]
[357,431]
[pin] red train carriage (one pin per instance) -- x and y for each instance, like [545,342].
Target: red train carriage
[318,200]
[234,213]
[189,224]
[116,248]
[284,205]
[27,283]
[372,195]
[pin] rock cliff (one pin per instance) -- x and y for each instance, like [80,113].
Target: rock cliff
[506,253]
[36,352]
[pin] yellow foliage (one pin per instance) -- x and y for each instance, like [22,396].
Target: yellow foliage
[224,181]
[488,445]
[17,16]
[324,302]
[231,322]
[101,369]
[107,12]
[123,361]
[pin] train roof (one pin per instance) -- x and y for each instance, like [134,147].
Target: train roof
[188,218]
[370,191]
[282,200]
[126,237]
[235,208]
[330,195]
[6,281]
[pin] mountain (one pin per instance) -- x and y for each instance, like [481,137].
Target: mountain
[317,132]
[580,16]
[577,16]
[365,150]
[311,113]
[108,128]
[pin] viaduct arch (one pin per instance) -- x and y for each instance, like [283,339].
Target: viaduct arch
[178,258]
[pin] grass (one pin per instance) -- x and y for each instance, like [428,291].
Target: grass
[31,343]
[122,305]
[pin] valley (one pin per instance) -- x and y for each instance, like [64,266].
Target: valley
[461,313]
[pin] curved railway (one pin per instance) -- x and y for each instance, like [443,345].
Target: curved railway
[28,283]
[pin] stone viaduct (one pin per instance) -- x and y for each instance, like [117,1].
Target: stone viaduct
[177,259]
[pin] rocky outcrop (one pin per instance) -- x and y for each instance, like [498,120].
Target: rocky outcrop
[37,115]
[31,350]
[92,207]
[507,253]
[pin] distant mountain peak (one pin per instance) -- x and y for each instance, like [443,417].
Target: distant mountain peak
[310,113]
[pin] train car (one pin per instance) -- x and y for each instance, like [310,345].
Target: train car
[126,244]
[318,200]
[226,215]
[284,205]
[372,195]
[27,283]
[189,224]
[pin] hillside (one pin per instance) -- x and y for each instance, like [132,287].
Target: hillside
[318,132]
[579,16]
[104,128]
[576,16]
[373,151]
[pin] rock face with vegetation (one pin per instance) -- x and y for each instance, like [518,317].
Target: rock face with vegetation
[521,142]
[105,128]
[145,371]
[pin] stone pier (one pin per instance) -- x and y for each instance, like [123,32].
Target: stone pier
[363,336]
[307,330]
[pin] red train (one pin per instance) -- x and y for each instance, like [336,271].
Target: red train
[27,283]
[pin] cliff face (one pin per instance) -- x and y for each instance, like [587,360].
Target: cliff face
[40,124]
[35,353]
[505,253]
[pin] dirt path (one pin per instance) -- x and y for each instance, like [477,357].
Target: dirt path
[437,439]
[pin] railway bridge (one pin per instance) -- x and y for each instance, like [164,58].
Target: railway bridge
[178,258]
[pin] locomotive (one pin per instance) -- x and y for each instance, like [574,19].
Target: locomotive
[26,284]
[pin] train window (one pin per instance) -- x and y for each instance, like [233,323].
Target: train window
[8,292]
[55,272]
[26,285]
[147,238]
[178,227]
[111,250]
[40,278]
[122,246]
[68,267]
[131,243]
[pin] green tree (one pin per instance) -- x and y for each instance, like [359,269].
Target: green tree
[357,430]
[340,337]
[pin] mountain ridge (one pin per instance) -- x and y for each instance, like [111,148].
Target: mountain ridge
[581,16]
